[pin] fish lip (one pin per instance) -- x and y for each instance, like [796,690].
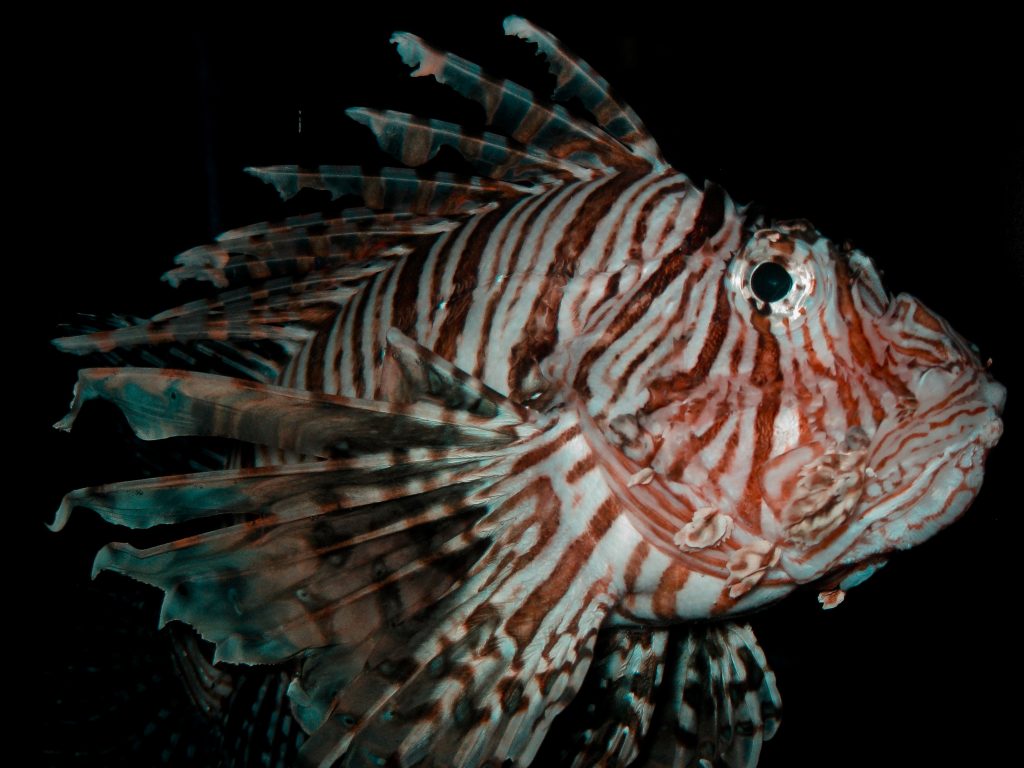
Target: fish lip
[925,492]
[907,497]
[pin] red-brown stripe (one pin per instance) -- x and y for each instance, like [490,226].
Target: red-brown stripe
[708,221]
[663,602]
[635,564]
[407,287]
[539,338]
[522,625]
[664,391]
[580,468]
[466,279]
[767,375]
[544,451]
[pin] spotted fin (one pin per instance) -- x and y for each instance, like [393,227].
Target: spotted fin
[482,676]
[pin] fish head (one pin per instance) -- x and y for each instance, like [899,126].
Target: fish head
[888,447]
[831,424]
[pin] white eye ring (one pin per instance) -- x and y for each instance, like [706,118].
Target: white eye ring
[793,255]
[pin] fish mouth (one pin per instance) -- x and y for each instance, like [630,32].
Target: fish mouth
[922,472]
[912,475]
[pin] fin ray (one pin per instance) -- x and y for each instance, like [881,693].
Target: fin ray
[516,111]
[723,704]
[393,189]
[576,78]
[416,140]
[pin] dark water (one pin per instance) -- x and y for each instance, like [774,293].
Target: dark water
[900,139]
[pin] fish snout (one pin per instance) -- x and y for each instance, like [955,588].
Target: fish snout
[924,339]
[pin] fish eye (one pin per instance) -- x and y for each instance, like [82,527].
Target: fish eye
[770,281]
[779,277]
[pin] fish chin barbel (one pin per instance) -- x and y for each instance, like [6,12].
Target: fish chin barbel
[694,442]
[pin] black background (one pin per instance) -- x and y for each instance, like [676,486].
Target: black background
[899,135]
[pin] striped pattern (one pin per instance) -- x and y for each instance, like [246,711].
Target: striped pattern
[499,414]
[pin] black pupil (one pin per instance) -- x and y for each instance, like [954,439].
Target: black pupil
[770,281]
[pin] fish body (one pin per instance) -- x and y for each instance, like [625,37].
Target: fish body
[549,402]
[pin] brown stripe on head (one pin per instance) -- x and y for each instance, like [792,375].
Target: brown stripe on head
[767,376]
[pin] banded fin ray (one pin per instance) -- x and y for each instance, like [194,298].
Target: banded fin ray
[517,112]
[293,275]
[416,140]
[279,493]
[722,702]
[396,519]
[607,722]
[414,373]
[437,556]
[576,78]
[256,360]
[393,189]
[283,312]
[162,403]
[303,244]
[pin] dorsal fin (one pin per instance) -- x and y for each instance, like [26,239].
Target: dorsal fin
[516,111]
[576,78]
[282,311]
[392,189]
[301,244]
[415,140]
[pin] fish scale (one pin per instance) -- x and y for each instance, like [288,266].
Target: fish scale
[598,503]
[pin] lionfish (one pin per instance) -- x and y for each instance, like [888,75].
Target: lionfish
[529,442]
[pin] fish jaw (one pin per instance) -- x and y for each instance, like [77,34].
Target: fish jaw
[923,463]
[924,474]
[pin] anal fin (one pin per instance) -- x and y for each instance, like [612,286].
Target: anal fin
[722,701]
